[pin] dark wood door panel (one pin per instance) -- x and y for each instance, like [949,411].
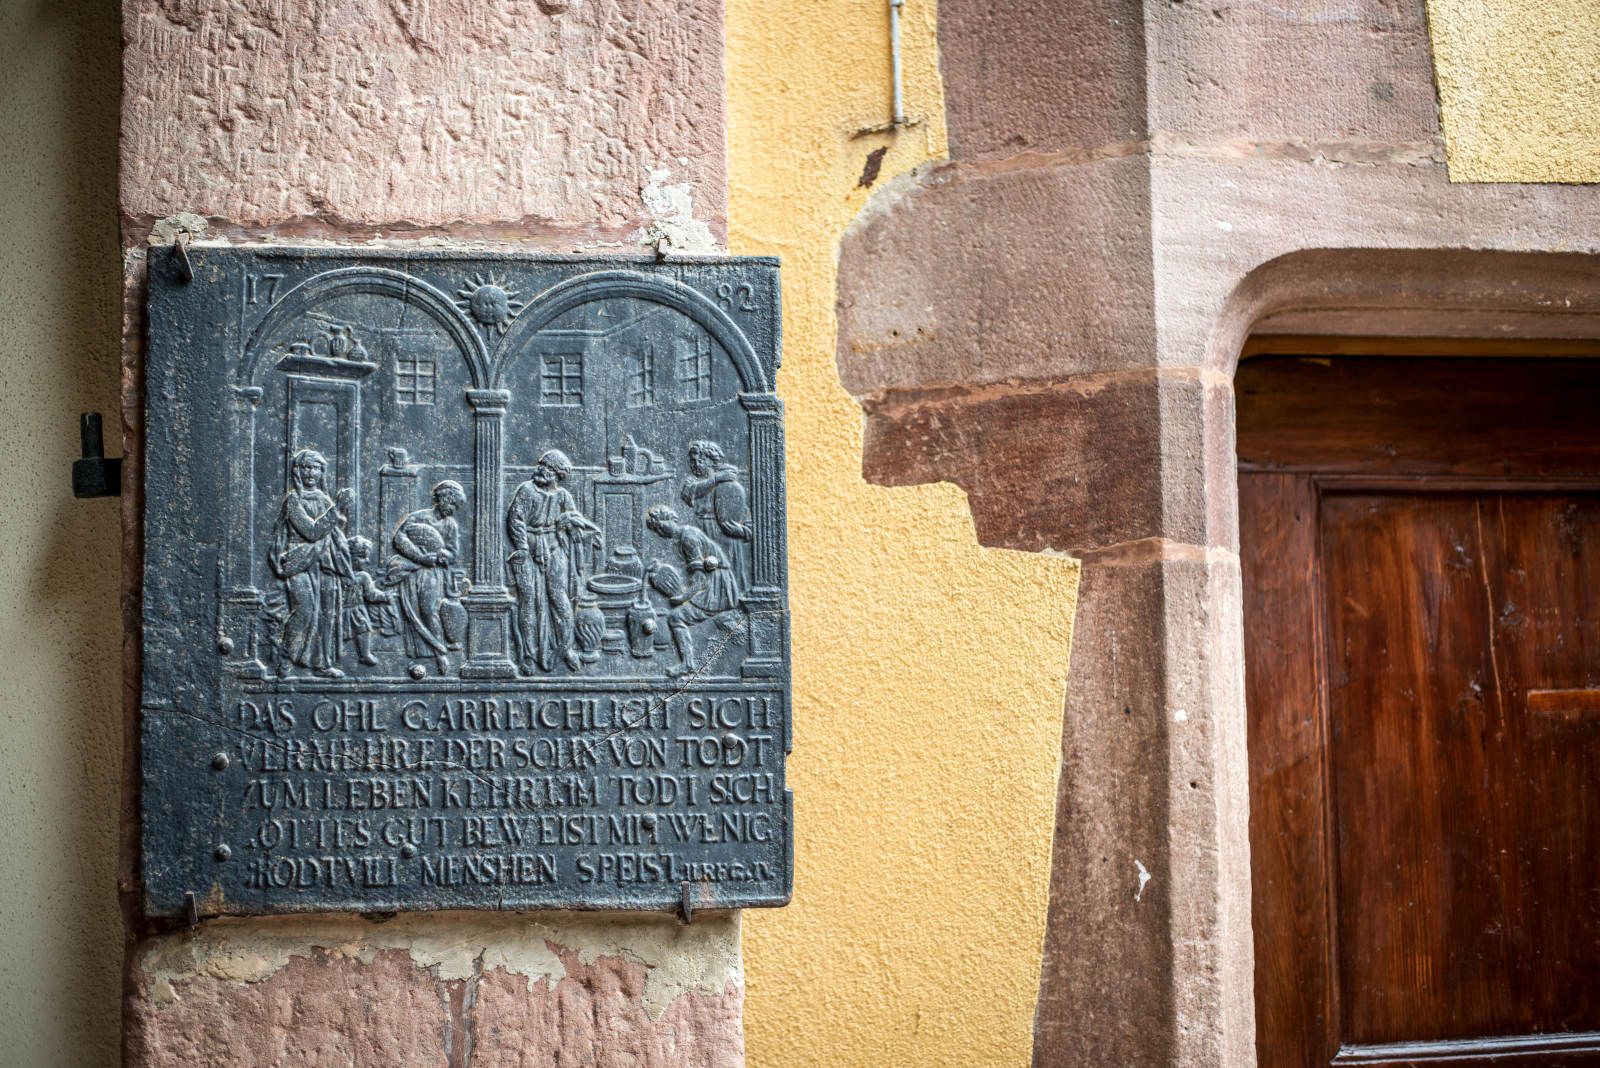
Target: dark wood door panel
[1411,723]
[1467,877]
[1420,417]
[1423,686]
[1546,612]
[1291,875]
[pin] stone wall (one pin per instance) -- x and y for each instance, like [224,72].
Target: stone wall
[1124,183]
[455,990]
[551,125]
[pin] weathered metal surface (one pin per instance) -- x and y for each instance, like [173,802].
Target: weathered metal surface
[465,583]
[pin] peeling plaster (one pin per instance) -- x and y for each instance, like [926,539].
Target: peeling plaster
[1144,879]
[166,231]
[701,957]
[672,226]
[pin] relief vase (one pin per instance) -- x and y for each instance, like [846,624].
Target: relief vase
[641,623]
[589,626]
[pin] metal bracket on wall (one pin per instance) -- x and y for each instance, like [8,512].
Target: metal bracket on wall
[95,475]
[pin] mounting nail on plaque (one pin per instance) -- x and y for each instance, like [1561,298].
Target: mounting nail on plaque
[464,583]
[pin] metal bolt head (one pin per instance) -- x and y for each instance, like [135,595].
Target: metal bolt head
[408,851]
[223,852]
[219,762]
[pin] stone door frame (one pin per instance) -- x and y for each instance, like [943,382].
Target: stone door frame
[1123,457]
[1180,599]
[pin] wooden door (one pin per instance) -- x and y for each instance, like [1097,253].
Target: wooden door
[1421,553]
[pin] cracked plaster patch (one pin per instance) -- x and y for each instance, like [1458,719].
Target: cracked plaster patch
[672,226]
[165,231]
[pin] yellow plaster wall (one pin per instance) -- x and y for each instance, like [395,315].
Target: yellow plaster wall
[929,672]
[1519,88]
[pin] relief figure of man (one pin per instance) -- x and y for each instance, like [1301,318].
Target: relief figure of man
[719,503]
[546,532]
[312,556]
[426,543]
[709,591]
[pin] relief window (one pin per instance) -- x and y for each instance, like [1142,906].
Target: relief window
[561,380]
[694,369]
[642,378]
[415,376]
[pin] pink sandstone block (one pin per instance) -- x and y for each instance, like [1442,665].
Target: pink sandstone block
[420,113]
[331,1009]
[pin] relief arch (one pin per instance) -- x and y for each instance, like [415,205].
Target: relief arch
[631,373]
[377,281]
[328,363]
[560,299]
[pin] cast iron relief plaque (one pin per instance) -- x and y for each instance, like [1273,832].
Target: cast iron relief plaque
[464,583]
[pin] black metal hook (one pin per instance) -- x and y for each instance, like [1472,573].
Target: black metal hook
[180,245]
[95,475]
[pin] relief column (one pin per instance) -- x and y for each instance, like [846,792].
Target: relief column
[242,600]
[489,604]
[763,603]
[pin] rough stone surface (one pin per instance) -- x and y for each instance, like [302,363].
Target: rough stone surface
[509,115]
[455,990]
[1207,833]
[1087,79]
[1137,984]
[1448,292]
[1105,990]
[1352,74]
[302,1015]
[1222,221]
[1031,462]
[593,1016]
[1005,94]
[1015,274]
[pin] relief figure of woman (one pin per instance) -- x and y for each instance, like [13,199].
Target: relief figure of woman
[312,556]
